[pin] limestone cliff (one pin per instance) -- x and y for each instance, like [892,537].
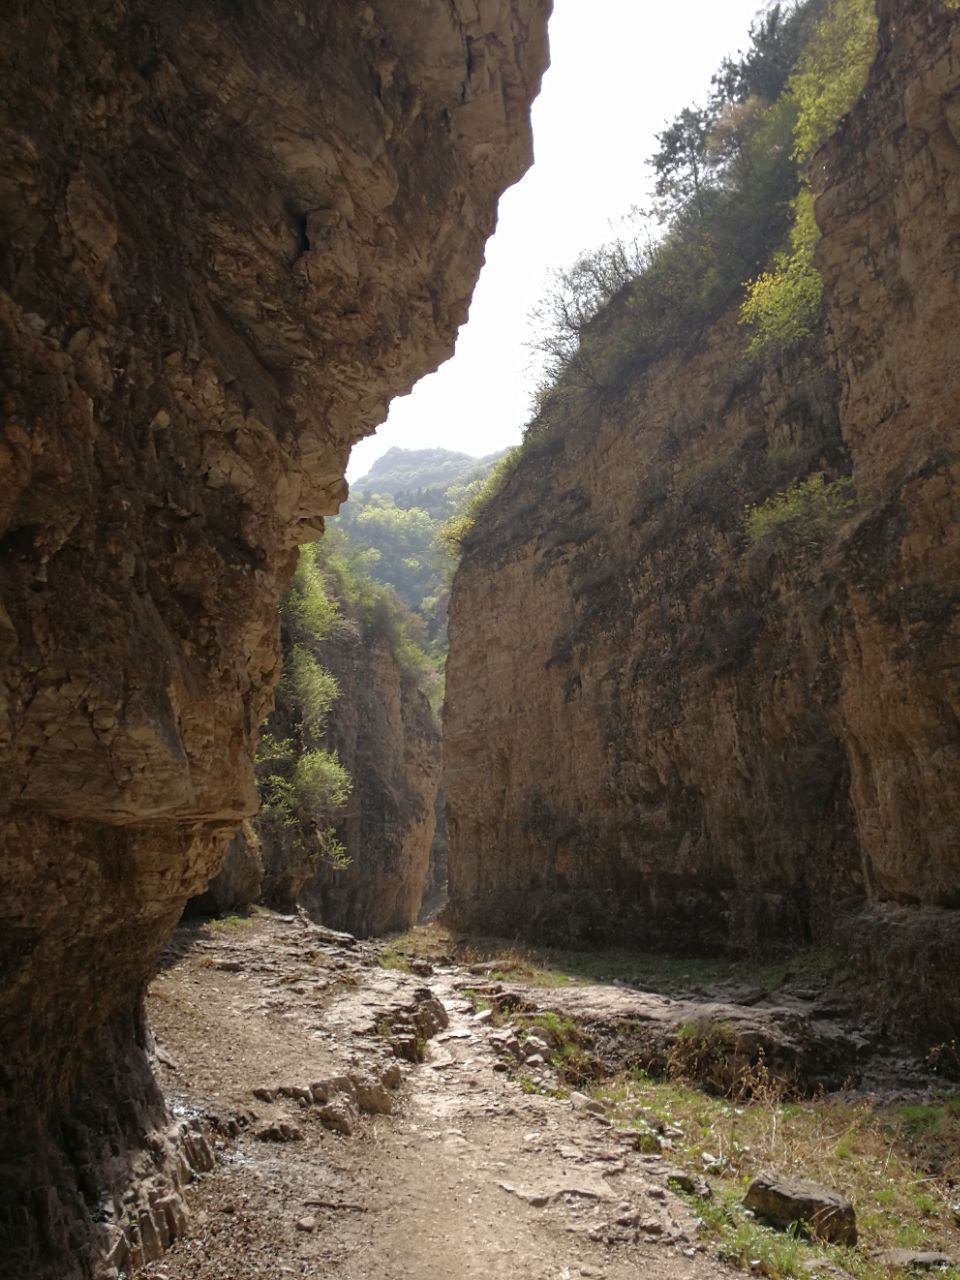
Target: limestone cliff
[387,736]
[231,232]
[658,732]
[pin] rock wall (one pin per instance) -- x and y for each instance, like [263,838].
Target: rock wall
[231,232]
[659,733]
[388,738]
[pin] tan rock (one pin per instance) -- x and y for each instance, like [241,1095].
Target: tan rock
[657,733]
[224,254]
[785,1201]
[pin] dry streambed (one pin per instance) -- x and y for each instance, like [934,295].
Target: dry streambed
[371,1121]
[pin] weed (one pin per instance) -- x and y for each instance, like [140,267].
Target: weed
[230,922]
[530,1086]
[391,959]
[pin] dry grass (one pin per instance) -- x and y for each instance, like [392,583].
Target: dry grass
[898,1164]
[556,966]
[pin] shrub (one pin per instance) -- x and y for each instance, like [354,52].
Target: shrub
[729,187]
[803,514]
[832,71]
[782,306]
[313,687]
[308,610]
[320,783]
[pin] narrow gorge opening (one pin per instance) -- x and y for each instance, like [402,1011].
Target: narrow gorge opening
[649,963]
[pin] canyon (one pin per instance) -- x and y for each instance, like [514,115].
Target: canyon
[662,732]
[231,234]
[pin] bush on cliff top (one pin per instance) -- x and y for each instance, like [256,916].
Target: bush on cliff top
[782,305]
[453,532]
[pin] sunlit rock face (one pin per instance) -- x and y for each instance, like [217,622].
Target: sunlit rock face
[660,734]
[231,232]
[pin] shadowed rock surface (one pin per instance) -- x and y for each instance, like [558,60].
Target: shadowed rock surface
[387,736]
[231,234]
[658,733]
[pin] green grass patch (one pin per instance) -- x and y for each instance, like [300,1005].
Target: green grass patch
[226,923]
[389,958]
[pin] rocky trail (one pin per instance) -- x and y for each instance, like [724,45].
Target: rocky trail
[454,1171]
[372,1122]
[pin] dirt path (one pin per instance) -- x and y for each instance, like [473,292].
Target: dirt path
[468,1177]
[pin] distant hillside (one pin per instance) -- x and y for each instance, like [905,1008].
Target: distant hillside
[393,520]
[400,470]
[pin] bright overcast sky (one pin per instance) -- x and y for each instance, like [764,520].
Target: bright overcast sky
[619,70]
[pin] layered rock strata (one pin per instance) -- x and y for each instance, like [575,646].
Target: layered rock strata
[658,732]
[230,234]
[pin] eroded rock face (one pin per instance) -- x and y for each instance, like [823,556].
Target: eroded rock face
[386,735]
[638,735]
[231,233]
[658,733]
[889,210]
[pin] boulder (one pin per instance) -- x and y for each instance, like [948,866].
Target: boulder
[781,1201]
[913,1259]
[340,1116]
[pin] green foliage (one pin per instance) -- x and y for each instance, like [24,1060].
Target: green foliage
[389,958]
[301,784]
[782,305]
[682,164]
[745,1243]
[831,71]
[731,205]
[314,688]
[320,783]
[274,766]
[334,850]
[226,923]
[376,610]
[307,610]
[803,515]
[403,538]
[776,39]
[392,540]
[453,533]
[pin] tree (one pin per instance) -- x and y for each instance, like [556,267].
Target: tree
[683,161]
[776,40]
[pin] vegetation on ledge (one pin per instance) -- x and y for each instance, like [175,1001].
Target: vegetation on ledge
[303,784]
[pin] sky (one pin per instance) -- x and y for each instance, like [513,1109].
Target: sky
[620,70]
